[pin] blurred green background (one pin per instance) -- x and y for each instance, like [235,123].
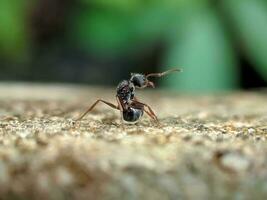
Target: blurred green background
[220,44]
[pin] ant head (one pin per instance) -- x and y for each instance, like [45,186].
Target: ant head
[141,81]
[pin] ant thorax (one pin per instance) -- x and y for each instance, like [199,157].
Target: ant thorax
[125,91]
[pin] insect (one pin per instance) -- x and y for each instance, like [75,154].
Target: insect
[131,109]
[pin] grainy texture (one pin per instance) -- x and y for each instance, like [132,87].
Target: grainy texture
[206,147]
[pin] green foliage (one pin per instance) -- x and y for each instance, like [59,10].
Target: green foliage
[13,38]
[201,36]
[116,29]
[102,31]
[197,35]
[249,20]
[203,50]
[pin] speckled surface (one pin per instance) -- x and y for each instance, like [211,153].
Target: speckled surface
[205,147]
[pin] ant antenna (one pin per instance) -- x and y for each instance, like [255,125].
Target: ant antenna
[164,73]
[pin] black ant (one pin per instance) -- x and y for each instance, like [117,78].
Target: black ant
[131,109]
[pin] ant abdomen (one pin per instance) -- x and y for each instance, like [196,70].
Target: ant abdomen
[132,115]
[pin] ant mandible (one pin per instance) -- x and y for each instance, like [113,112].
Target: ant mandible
[131,109]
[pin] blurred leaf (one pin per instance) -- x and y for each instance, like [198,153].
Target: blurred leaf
[102,31]
[154,21]
[250,23]
[115,31]
[119,5]
[203,51]
[12,28]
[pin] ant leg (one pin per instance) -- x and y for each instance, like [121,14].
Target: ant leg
[149,114]
[121,108]
[149,108]
[152,113]
[119,104]
[91,108]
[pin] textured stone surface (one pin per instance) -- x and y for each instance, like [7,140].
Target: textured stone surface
[206,147]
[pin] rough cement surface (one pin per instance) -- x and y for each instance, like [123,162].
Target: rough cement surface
[206,147]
